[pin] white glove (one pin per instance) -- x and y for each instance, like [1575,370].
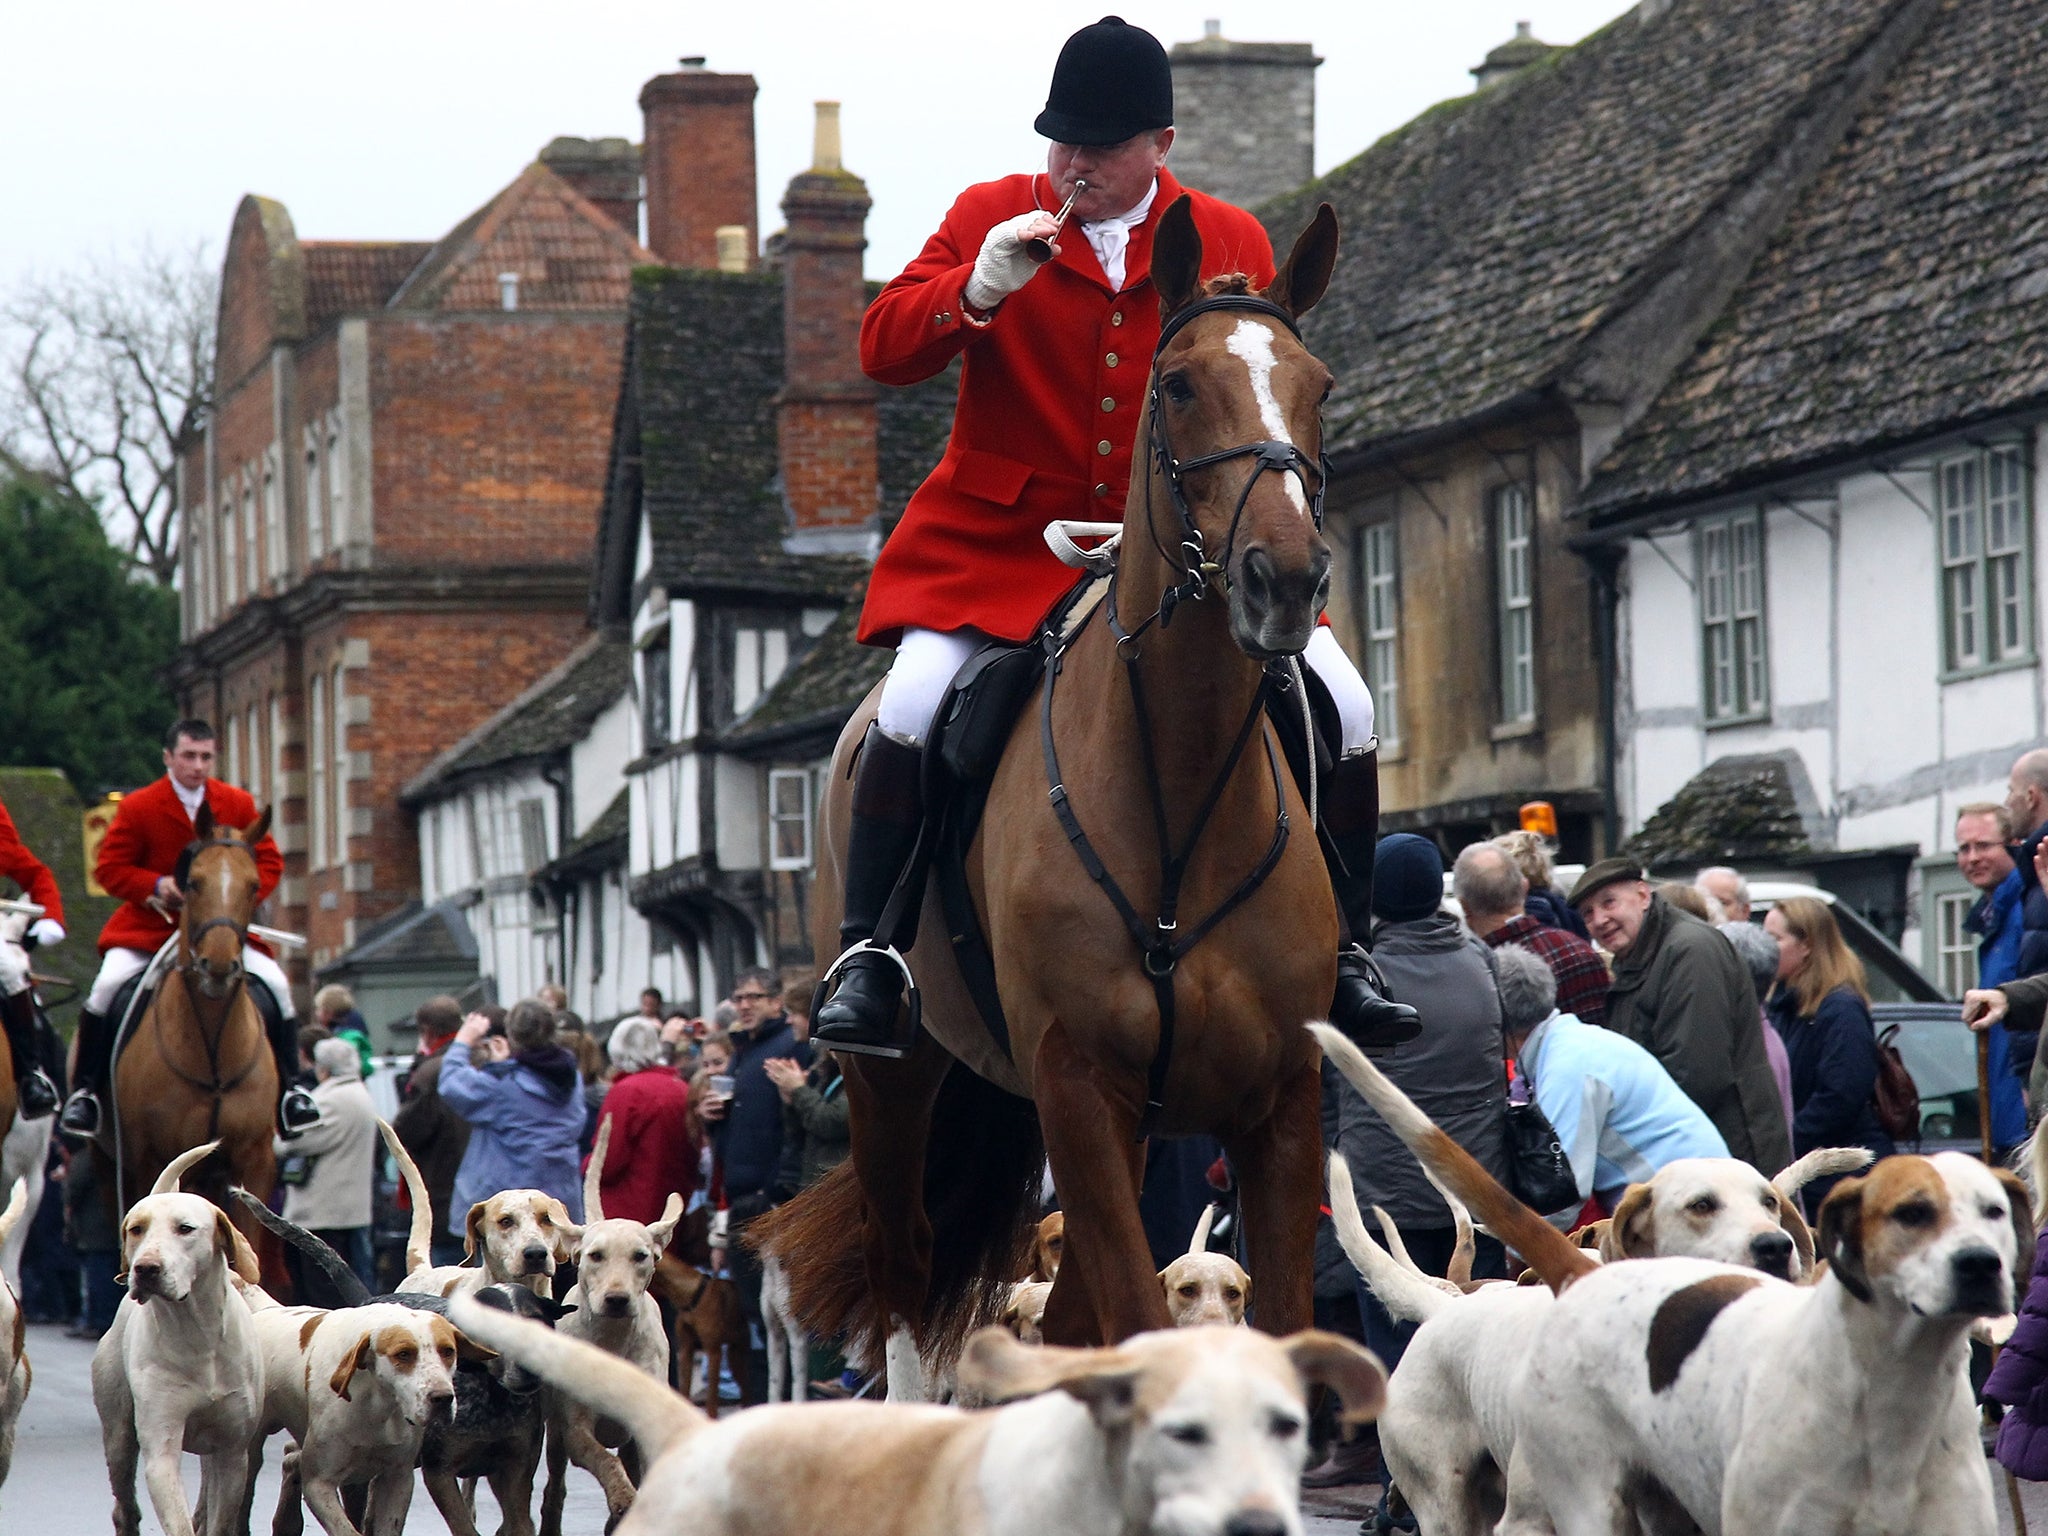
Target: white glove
[46,930]
[1003,267]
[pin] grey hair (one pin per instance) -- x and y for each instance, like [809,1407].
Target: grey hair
[1531,855]
[1741,885]
[635,1045]
[338,1058]
[1528,988]
[530,1025]
[1758,951]
[1486,879]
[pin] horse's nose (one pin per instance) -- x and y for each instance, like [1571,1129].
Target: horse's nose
[1268,587]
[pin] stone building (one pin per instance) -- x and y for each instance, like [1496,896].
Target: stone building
[1245,116]
[387,516]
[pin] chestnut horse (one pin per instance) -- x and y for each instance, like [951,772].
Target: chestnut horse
[199,1067]
[925,1219]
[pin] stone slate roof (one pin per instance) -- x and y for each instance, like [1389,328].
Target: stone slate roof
[704,365]
[551,716]
[1734,810]
[603,842]
[1907,293]
[413,935]
[819,690]
[352,277]
[567,253]
[1485,242]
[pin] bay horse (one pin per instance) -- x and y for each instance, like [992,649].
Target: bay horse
[200,1067]
[1156,738]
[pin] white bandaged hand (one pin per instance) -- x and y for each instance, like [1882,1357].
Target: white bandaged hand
[1003,265]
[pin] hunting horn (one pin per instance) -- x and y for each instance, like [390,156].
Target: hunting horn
[1041,250]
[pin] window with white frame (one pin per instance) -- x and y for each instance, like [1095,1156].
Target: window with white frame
[337,486]
[251,570]
[1380,613]
[1955,947]
[231,749]
[533,834]
[316,772]
[654,691]
[1732,639]
[340,739]
[252,766]
[1514,545]
[276,764]
[316,512]
[789,818]
[1986,557]
[230,560]
[275,561]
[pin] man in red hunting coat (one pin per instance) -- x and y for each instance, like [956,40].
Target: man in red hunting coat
[1056,358]
[138,862]
[35,1093]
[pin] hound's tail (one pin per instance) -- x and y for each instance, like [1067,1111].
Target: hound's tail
[1402,1292]
[352,1291]
[656,1417]
[1465,1253]
[176,1169]
[1821,1163]
[17,1202]
[593,1176]
[419,1238]
[1199,1243]
[1556,1262]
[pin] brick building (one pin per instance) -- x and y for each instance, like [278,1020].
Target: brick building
[387,518]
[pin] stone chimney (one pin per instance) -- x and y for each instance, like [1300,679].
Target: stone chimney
[1517,53]
[825,415]
[607,171]
[699,159]
[1244,116]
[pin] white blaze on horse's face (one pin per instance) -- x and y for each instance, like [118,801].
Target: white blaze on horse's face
[1252,343]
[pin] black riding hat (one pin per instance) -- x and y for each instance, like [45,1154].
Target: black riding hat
[1112,82]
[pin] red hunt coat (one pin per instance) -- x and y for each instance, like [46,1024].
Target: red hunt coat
[28,871]
[150,830]
[1050,393]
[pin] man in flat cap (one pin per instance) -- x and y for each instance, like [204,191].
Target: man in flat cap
[1055,360]
[1681,992]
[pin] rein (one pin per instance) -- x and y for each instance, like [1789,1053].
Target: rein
[195,977]
[1161,944]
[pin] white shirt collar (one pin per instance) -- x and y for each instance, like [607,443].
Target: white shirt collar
[1110,238]
[191,799]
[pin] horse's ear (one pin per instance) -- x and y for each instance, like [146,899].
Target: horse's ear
[260,830]
[1177,257]
[1302,280]
[202,824]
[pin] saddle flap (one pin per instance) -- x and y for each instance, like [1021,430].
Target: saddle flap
[981,707]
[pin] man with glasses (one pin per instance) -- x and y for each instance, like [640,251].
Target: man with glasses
[747,1126]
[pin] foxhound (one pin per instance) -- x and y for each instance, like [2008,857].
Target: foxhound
[14,1371]
[1193,1432]
[1203,1287]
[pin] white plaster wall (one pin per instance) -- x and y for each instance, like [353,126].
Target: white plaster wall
[597,763]
[739,813]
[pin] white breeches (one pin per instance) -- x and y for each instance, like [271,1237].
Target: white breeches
[927,659]
[119,964]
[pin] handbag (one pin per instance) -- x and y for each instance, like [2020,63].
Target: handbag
[1539,1174]
[1896,1097]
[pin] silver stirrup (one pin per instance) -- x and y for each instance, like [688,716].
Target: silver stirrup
[823,992]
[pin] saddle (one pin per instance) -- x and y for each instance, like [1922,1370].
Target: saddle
[975,720]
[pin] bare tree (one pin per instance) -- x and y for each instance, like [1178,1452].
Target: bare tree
[106,370]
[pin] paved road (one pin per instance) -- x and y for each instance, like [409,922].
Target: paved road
[59,1483]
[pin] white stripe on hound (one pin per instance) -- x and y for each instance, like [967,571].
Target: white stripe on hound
[1253,342]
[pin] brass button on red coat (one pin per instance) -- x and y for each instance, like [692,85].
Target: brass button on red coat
[1102,490]
[1103,448]
[1116,317]
[1110,360]
[943,317]
[1108,404]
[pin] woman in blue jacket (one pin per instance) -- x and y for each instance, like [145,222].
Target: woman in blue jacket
[1821,1010]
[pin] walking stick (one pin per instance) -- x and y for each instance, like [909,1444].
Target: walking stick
[2019,1514]
[1984,1093]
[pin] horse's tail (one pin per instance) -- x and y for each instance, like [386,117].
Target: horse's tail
[983,1161]
[419,1239]
[1556,1262]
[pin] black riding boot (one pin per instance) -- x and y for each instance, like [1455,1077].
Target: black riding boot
[35,1094]
[295,1107]
[888,811]
[81,1115]
[1350,809]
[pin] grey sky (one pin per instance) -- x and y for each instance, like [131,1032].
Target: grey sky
[134,120]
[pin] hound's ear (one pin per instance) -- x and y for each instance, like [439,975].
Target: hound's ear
[2022,1203]
[202,824]
[1801,1234]
[1840,1238]
[234,1249]
[566,1233]
[1354,1373]
[1247,1291]
[1177,257]
[256,833]
[999,1368]
[1632,1233]
[357,1359]
[664,1229]
[1306,274]
[473,1229]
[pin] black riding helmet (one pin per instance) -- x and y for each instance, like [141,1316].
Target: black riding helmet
[1111,83]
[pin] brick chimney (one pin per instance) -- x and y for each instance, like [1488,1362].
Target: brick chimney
[1244,116]
[607,171]
[699,160]
[825,415]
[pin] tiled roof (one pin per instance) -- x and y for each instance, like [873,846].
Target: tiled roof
[352,277]
[413,935]
[1906,294]
[704,369]
[551,716]
[1734,810]
[820,690]
[568,255]
[602,842]
[1486,241]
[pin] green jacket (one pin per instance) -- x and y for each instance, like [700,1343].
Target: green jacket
[817,1130]
[1684,995]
